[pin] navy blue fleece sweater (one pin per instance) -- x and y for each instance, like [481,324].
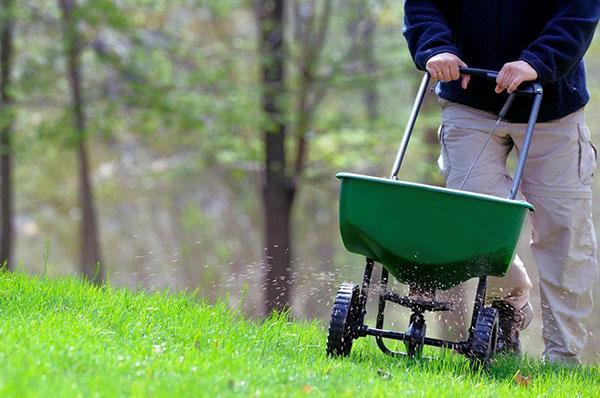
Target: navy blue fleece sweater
[550,35]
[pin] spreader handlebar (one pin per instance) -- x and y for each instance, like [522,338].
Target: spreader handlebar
[483,73]
[531,89]
[526,88]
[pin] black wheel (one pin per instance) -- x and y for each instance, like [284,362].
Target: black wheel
[415,336]
[344,318]
[485,336]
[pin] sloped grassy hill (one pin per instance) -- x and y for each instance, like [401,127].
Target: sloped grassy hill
[68,338]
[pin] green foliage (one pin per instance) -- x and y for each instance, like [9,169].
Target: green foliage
[101,13]
[68,338]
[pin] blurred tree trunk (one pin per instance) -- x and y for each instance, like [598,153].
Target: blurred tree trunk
[310,32]
[279,189]
[311,26]
[371,97]
[281,181]
[366,26]
[6,126]
[361,29]
[90,248]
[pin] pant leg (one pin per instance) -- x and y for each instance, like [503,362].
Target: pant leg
[556,180]
[462,135]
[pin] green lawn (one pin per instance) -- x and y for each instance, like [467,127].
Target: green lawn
[66,338]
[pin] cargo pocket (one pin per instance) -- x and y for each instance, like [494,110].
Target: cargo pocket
[588,155]
[443,160]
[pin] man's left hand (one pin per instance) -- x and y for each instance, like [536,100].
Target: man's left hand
[513,74]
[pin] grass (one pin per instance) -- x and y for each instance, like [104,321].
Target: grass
[68,338]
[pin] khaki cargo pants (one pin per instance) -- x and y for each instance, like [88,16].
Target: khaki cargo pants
[557,181]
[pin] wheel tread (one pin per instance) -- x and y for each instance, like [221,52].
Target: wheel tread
[343,314]
[483,346]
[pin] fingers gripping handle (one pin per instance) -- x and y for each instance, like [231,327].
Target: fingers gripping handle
[526,88]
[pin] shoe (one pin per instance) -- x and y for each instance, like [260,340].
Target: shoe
[512,321]
[527,315]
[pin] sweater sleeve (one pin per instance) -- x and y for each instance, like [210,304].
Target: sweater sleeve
[565,39]
[426,31]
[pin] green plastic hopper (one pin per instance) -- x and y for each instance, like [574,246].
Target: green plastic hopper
[431,236]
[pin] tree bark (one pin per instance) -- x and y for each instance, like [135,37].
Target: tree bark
[279,189]
[91,263]
[6,126]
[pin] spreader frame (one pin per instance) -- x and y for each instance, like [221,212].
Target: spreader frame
[418,310]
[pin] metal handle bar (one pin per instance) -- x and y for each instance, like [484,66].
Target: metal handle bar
[483,73]
[410,126]
[525,88]
[532,89]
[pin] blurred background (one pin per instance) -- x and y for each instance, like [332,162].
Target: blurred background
[142,141]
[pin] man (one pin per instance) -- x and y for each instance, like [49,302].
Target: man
[525,40]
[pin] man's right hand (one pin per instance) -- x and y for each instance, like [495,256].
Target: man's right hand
[445,66]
